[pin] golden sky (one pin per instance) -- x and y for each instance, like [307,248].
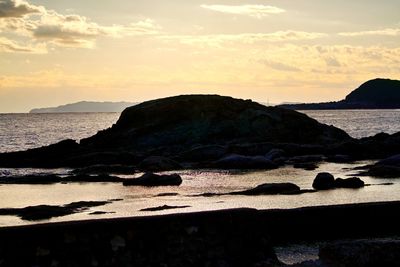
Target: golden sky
[58,52]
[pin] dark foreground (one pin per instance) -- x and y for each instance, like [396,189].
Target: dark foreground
[239,237]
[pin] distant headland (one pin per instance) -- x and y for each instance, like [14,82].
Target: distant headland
[86,106]
[374,94]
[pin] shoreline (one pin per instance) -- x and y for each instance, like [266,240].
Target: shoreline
[353,213]
[240,237]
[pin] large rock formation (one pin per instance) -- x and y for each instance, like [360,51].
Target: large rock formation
[373,94]
[184,121]
[172,126]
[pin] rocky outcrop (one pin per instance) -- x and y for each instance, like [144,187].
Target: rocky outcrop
[196,131]
[353,182]
[41,212]
[386,168]
[270,189]
[53,179]
[373,94]
[324,181]
[183,121]
[151,179]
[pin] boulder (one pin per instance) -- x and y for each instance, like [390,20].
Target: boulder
[353,182]
[361,253]
[324,181]
[270,189]
[235,161]
[151,179]
[157,163]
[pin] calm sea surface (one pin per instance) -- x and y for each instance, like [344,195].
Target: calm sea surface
[22,131]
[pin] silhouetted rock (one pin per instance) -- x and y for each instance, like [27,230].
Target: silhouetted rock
[308,166]
[151,179]
[156,163]
[31,179]
[353,182]
[383,92]
[244,162]
[270,189]
[386,168]
[324,181]
[383,171]
[105,169]
[183,121]
[41,212]
[203,153]
[373,94]
[164,207]
[361,253]
[53,179]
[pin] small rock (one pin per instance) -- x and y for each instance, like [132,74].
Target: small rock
[151,179]
[353,182]
[324,181]
[164,207]
[270,189]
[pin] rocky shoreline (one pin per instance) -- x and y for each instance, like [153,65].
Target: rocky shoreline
[239,237]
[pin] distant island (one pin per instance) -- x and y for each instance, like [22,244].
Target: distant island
[86,106]
[374,94]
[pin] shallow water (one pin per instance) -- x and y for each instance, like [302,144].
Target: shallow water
[194,183]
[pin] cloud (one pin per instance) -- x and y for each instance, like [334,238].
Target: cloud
[17,8]
[219,40]
[257,11]
[10,46]
[332,62]
[52,28]
[386,32]
[279,66]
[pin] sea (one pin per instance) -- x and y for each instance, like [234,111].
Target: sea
[25,131]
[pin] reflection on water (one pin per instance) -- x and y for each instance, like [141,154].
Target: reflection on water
[194,182]
[359,123]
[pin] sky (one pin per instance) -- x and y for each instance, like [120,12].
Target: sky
[64,51]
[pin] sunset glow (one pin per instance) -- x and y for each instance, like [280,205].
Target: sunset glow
[57,52]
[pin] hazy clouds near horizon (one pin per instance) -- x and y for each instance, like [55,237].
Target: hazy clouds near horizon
[56,52]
